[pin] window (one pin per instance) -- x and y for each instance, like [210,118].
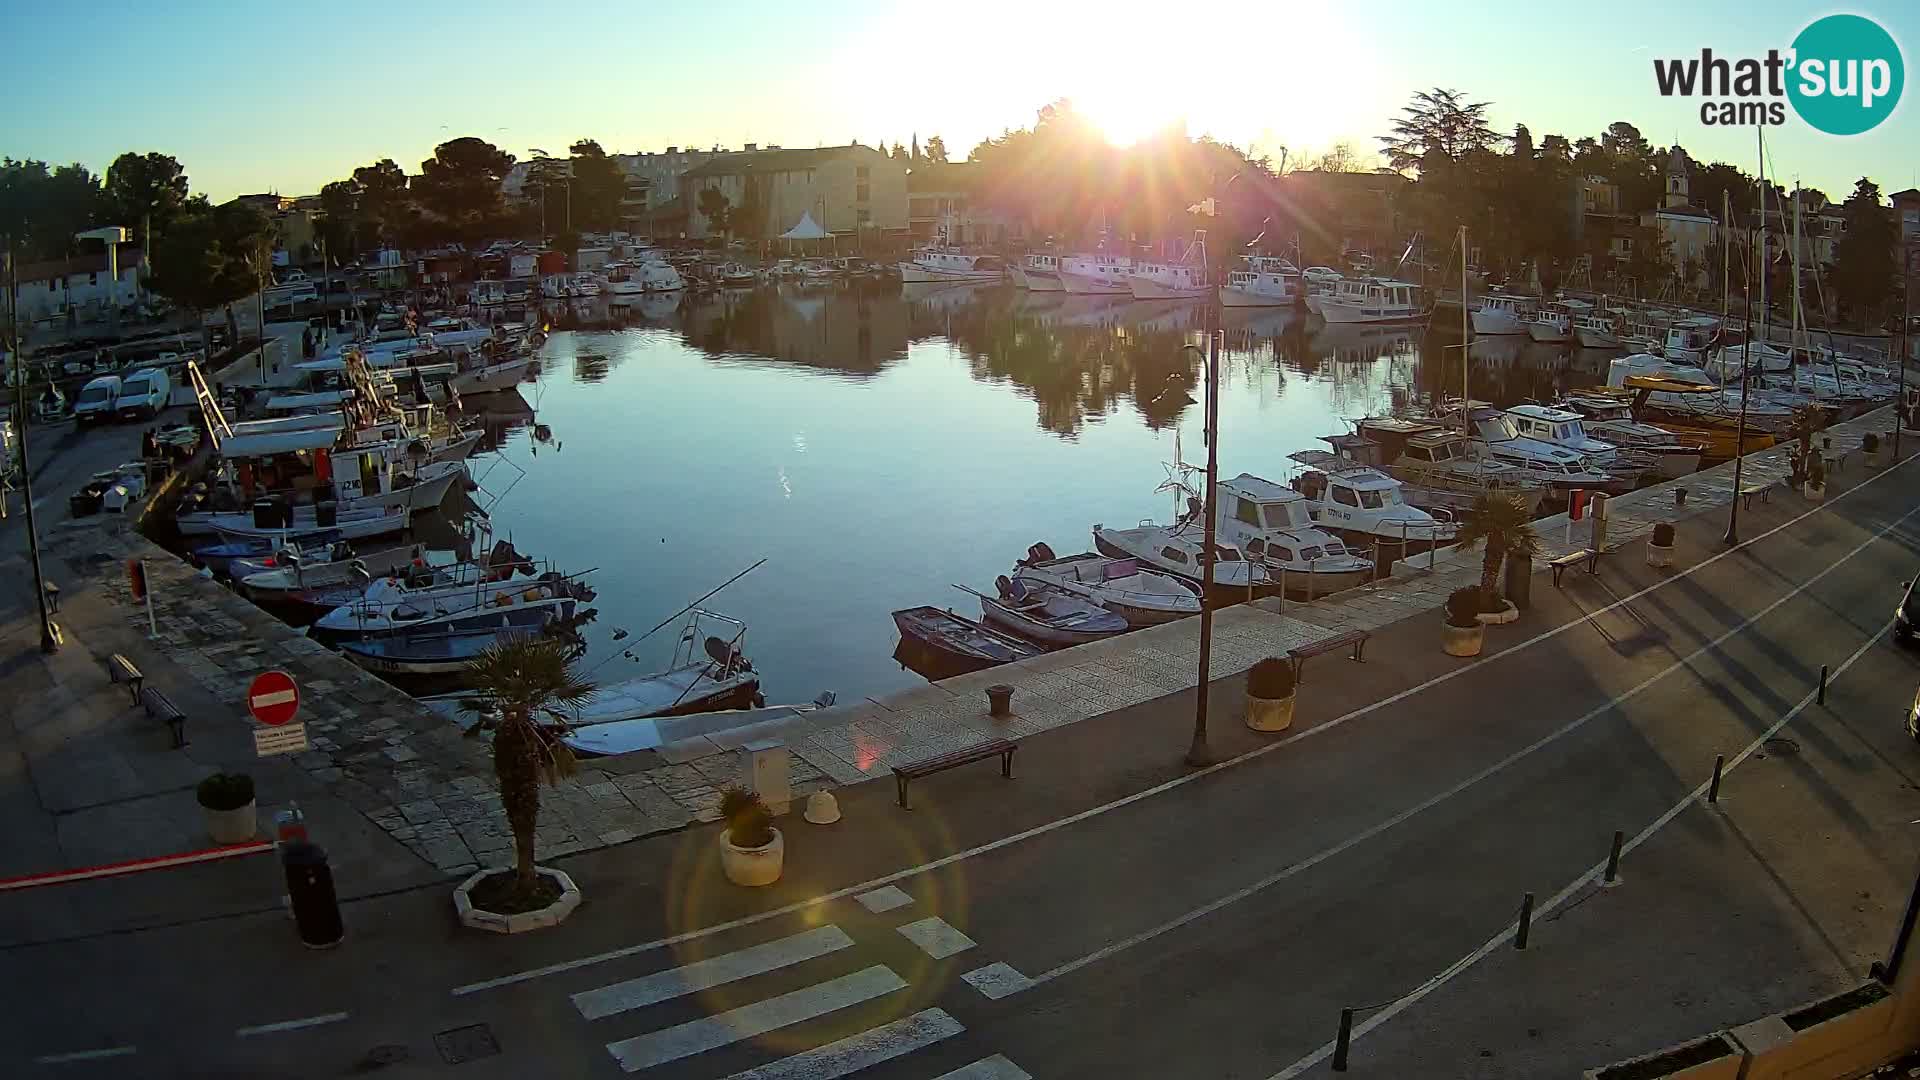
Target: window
[861,171]
[1174,554]
[1371,500]
[1344,496]
[1225,554]
[1247,510]
[861,193]
[1280,515]
[1334,547]
[1284,554]
[1255,547]
[1309,553]
[93,278]
[1419,453]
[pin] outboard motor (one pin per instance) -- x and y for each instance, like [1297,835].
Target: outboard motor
[728,657]
[1040,553]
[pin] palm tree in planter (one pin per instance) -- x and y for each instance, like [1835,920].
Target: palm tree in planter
[517,682]
[1500,521]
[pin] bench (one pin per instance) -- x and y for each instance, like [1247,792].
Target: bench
[1747,494]
[121,670]
[1590,556]
[1301,654]
[1000,748]
[160,708]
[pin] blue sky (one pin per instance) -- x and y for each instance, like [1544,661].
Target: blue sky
[253,98]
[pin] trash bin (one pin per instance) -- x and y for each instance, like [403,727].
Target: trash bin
[316,911]
[326,514]
[1519,583]
[266,515]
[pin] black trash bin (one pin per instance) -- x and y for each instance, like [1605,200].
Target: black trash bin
[316,911]
[326,514]
[1519,581]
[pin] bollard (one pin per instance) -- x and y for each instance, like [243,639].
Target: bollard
[316,910]
[1713,789]
[1000,700]
[1821,697]
[1343,1040]
[1526,922]
[1613,859]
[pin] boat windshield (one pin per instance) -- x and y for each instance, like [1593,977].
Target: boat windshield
[1281,516]
[1225,554]
[1372,499]
[1569,432]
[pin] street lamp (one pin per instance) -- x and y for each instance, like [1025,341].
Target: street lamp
[1732,536]
[49,632]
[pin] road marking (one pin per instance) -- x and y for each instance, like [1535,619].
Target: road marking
[752,1021]
[290,1025]
[132,866]
[1593,873]
[84,1055]
[936,937]
[886,899]
[709,973]
[1148,793]
[996,981]
[996,1067]
[856,1052]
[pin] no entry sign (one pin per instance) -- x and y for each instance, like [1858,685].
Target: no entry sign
[272,698]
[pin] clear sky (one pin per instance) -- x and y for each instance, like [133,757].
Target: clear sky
[252,97]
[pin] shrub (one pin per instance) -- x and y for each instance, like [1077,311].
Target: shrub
[1870,443]
[1464,607]
[749,822]
[225,791]
[1663,535]
[1270,679]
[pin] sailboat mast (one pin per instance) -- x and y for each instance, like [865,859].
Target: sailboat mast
[1760,136]
[1726,254]
[1465,338]
[1794,337]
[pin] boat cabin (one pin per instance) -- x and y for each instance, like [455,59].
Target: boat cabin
[1271,522]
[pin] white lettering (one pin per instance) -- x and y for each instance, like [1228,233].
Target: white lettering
[1878,80]
[1813,78]
[1843,77]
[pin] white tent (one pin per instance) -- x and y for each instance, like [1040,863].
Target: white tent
[808,229]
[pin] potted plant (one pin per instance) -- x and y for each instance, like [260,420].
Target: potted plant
[1815,488]
[517,681]
[1463,632]
[1270,690]
[752,851]
[1660,545]
[1501,522]
[226,799]
[1871,447]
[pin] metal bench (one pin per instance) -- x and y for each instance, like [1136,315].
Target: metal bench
[121,670]
[1747,494]
[159,707]
[1301,654]
[1000,748]
[1574,558]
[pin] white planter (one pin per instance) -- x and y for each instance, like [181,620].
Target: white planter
[1879,458]
[235,826]
[1270,714]
[1658,556]
[1462,640]
[753,867]
[552,915]
[1814,492]
[1505,615]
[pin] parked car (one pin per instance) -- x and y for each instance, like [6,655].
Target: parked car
[1320,274]
[143,393]
[98,400]
[1905,614]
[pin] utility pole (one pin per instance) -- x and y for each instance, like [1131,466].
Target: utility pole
[1200,755]
[49,633]
[1906,309]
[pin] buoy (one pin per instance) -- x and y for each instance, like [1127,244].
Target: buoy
[822,808]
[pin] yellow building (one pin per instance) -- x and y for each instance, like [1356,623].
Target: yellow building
[847,190]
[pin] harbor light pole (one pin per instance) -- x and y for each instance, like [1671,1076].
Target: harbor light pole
[1900,361]
[1732,536]
[49,633]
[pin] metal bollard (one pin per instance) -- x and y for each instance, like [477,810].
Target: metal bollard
[1343,1041]
[1713,789]
[1821,697]
[1613,859]
[1526,922]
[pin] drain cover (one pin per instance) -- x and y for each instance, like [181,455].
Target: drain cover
[463,1044]
[380,1057]
[1781,747]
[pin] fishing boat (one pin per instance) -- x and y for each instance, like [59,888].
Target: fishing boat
[1040,272]
[446,650]
[1360,503]
[1176,549]
[219,557]
[1267,281]
[1045,614]
[1096,272]
[1142,597]
[273,521]
[1382,301]
[1502,315]
[1596,331]
[706,672]
[1492,434]
[1273,524]
[1176,280]
[430,595]
[300,459]
[1565,429]
[957,644]
[943,264]
[1553,323]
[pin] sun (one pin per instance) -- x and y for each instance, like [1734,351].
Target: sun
[1126,115]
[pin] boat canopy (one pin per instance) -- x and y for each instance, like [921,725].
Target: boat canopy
[807,229]
[267,444]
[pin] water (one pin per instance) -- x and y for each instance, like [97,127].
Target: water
[877,445]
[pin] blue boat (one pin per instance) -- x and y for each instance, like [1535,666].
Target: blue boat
[219,557]
[446,648]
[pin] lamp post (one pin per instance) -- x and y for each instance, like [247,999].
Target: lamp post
[49,633]
[1900,370]
[1732,536]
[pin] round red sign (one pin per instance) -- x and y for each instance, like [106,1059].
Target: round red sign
[272,698]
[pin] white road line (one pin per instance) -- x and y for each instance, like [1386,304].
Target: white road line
[1592,874]
[997,980]
[856,1052]
[707,974]
[84,1055]
[290,1025]
[1159,789]
[996,1067]
[884,899]
[1427,804]
[752,1021]
[936,937]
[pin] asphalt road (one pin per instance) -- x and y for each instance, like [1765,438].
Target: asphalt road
[1214,927]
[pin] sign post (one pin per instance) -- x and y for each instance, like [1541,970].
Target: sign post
[137,581]
[1576,509]
[274,700]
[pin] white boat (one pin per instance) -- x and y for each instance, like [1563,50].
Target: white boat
[1499,315]
[949,265]
[1143,597]
[293,569]
[1567,430]
[1173,281]
[1384,301]
[1611,417]
[1596,331]
[1493,435]
[373,477]
[1360,502]
[1260,288]
[706,672]
[1097,272]
[390,605]
[622,279]
[1047,615]
[723,727]
[1725,403]
[490,378]
[1176,550]
[487,293]
[1040,271]
[1435,465]
[350,524]
[1553,323]
[1273,524]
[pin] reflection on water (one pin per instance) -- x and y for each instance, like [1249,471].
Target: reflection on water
[878,444]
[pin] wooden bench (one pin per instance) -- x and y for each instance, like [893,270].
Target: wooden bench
[121,670]
[1574,558]
[159,707]
[1000,748]
[1301,654]
[1747,494]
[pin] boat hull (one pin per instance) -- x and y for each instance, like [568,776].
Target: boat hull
[1547,335]
[1044,281]
[916,274]
[1336,312]
[1148,289]
[1497,324]
[1595,339]
[1230,296]
[1091,285]
[492,378]
[1042,633]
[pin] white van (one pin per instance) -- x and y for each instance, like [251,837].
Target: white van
[144,393]
[98,400]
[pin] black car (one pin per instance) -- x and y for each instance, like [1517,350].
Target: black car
[1906,614]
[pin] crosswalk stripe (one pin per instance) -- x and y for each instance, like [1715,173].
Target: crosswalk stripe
[709,973]
[936,937]
[752,1021]
[996,1067]
[856,1052]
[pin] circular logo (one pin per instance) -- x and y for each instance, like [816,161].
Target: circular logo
[1847,74]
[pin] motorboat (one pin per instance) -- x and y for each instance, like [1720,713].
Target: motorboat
[1596,331]
[957,644]
[1173,281]
[1384,301]
[1040,272]
[1493,435]
[723,727]
[707,672]
[1274,525]
[1177,550]
[1266,282]
[1142,597]
[1498,314]
[1721,432]
[447,649]
[219,557]
[1045,614]
[1435,465]
[623,280]
[1566,429]
[277,520]
[1336,287]
[1553,322]
[1610,416]
[287,574]
[429,595]
[1361,503]
[1096,272]
[943,264]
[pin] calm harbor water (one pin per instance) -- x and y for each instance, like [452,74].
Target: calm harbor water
[876,445]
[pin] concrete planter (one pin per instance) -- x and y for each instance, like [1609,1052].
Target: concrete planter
[1270,714]
[235,826]
[552,915]
[1880,458]
[1813,492]
[1505,615]
[1462,640]
[1843,1035]
[753,867]
[1713,1058]
[1658,556]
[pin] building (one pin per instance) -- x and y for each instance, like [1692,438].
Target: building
[652,180]
[848,190]
[268,204]
[1604,229]
[1688,230]
[945,196]
[78,288]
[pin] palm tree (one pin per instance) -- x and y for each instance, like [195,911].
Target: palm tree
[1499,520]
[516,681]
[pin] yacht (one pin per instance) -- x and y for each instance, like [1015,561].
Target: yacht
[1266,282]
[1553,323]
[1173,281]
[1611,417]
[1274,525]
[1096,273]
[947,264]
[1383,301]
[1360,502]
[1499,314]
